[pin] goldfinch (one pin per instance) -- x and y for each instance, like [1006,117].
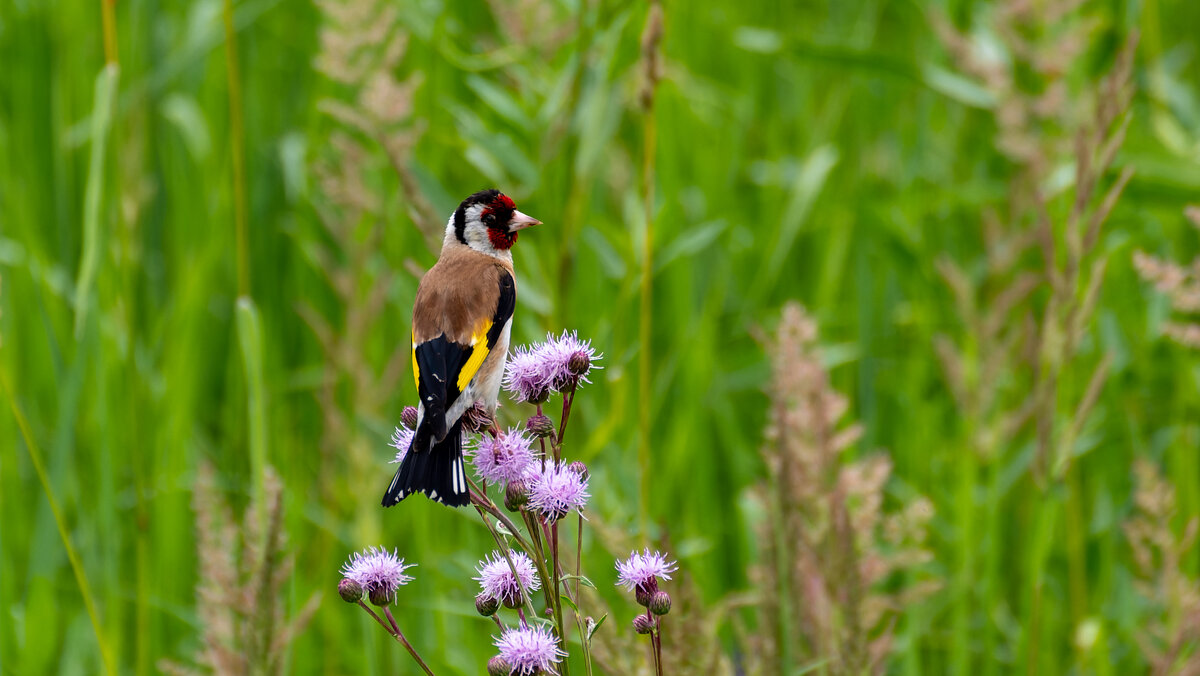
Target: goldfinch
[462,318]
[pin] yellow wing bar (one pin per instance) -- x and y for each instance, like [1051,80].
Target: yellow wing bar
[416,369]
[479,352]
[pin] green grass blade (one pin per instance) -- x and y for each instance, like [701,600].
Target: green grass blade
[35,456]
[249,329]
[106,87]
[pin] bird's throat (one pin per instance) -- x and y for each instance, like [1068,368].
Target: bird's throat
[501,240]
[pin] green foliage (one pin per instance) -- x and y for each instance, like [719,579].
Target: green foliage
[828,152]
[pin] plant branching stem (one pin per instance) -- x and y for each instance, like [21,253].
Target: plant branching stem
[394,631]
[568,400]
[655,646]
[557,571]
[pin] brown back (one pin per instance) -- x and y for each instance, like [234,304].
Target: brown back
[458,295]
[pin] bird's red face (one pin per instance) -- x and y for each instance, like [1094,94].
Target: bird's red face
[503,221]
[488,221]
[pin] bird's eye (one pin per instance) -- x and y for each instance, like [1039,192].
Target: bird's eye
[489,218]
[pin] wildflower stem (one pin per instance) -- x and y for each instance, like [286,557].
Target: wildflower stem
[377,618]
[550,591]
[407,646]
[394,631]
[656,645]
[658,661]
[558,613]
[579,622]
[539,557]
[482,503]
[568,400]
[542,441]
[391,620]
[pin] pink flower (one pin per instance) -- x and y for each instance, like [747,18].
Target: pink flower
[641,571]
[497,581]
[401,441]
[536,371]
[530,650]
[555,489]
[377,570]
[502,459]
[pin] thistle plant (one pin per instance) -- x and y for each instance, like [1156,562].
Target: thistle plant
[376,574]
[532,499]
[640,574]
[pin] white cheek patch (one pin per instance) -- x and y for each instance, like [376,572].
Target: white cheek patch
[474,213]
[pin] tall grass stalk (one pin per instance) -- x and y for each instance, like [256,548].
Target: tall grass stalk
[237,150]
[109,20]
[650,67]
[106,89]
[85,591]
[249,329]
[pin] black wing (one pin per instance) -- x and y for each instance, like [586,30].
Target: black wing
[444,368]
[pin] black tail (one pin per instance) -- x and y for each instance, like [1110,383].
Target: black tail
[436,471]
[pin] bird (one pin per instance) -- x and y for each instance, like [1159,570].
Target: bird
[462,319]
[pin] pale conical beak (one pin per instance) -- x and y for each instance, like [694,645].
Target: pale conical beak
[520,221]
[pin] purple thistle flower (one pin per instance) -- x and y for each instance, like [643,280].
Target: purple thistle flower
[502,459]
[566,359]
[377,570]
[641,571]
[530,650]
[401,441]
[536,371]
[523,375]
[497,581]
[555,489]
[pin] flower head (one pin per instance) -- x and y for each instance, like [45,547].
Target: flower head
[640,572]
[566,359]
[504,458]
[555,489]
[523,376]
[529,650]
[536,371]
[377,571]
[497,581]
[401,441]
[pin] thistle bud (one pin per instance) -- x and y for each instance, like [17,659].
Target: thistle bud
[660,603]
[498,666]
[513,601]
[540,426]
[580,469]
[579,363]
[477,419]
[350,591]
[643,595]
[515,496]
[409,417]
[380,596]
[538,395]
[642,624]
[486,605]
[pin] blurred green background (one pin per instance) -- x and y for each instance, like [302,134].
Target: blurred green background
[840,153]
